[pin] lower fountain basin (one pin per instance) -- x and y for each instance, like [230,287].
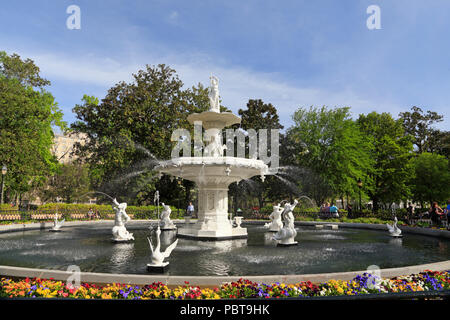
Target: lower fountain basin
[318,251]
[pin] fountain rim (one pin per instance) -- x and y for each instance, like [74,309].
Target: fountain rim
[214,281]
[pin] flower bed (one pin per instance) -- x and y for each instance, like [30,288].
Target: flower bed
[362,284]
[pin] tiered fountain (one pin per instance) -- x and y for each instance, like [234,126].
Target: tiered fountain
[213,173]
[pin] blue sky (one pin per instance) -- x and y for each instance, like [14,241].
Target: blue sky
[289,53]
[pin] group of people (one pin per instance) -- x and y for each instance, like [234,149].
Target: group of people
[329,209]
[436,214]
[93,215]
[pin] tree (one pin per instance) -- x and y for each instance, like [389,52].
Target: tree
[27,114]
[329,143]
[258,115]
[71,183]
[431,180]
[440,143]
[418,125]
[392,151]
[130,129]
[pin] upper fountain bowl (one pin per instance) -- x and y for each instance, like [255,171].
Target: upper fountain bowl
[214,120]
[204,170]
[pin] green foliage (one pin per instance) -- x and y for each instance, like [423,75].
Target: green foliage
[258,115]
[132,127]
[8,207]
[419,127]
[26,119]
[392,150]
[71,182]
[431,180]
[331,148]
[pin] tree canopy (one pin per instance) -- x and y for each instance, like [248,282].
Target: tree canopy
[27,114]
[392,151]
[131,128]
[329,143]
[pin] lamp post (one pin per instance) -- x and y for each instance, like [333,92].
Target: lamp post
[360,184]
[4,170]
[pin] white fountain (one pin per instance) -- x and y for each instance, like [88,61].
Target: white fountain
[57,224]
[213,173]
[275,223]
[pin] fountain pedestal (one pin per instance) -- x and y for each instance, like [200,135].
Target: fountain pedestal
[212,176]
[213,222]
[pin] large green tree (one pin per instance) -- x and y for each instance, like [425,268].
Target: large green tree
[131,128]
[392,151]
[27,114]
[330,145]
[258,115]
[419,126]
[71,183]
[431,180]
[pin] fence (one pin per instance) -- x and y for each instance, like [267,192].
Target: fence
[40,215]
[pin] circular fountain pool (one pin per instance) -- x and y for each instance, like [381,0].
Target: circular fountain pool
[90,247]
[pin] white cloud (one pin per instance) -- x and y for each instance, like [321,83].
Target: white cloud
[237,85]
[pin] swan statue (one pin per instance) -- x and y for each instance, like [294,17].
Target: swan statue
[57,224]
[287,234]
[393,229]
[156,256]
[275,223]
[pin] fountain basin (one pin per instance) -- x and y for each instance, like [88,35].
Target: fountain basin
[87,245]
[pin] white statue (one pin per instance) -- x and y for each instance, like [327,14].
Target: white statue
[287,234]
[393,229]
[214,148]
[275,217]
[156,256]
[214,95]
[57,224]
[165,222]
[119,231]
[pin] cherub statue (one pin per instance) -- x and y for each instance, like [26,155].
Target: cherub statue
[287,234]
[214,148]
[275,217]
[119,231]
[166,223]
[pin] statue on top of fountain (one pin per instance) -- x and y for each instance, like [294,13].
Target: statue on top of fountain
[119,231]
[214,95]
[214,148]
[287,234]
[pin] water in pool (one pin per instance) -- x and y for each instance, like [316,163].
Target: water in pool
[90,247]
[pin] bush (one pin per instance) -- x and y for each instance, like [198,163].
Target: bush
[8,207]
